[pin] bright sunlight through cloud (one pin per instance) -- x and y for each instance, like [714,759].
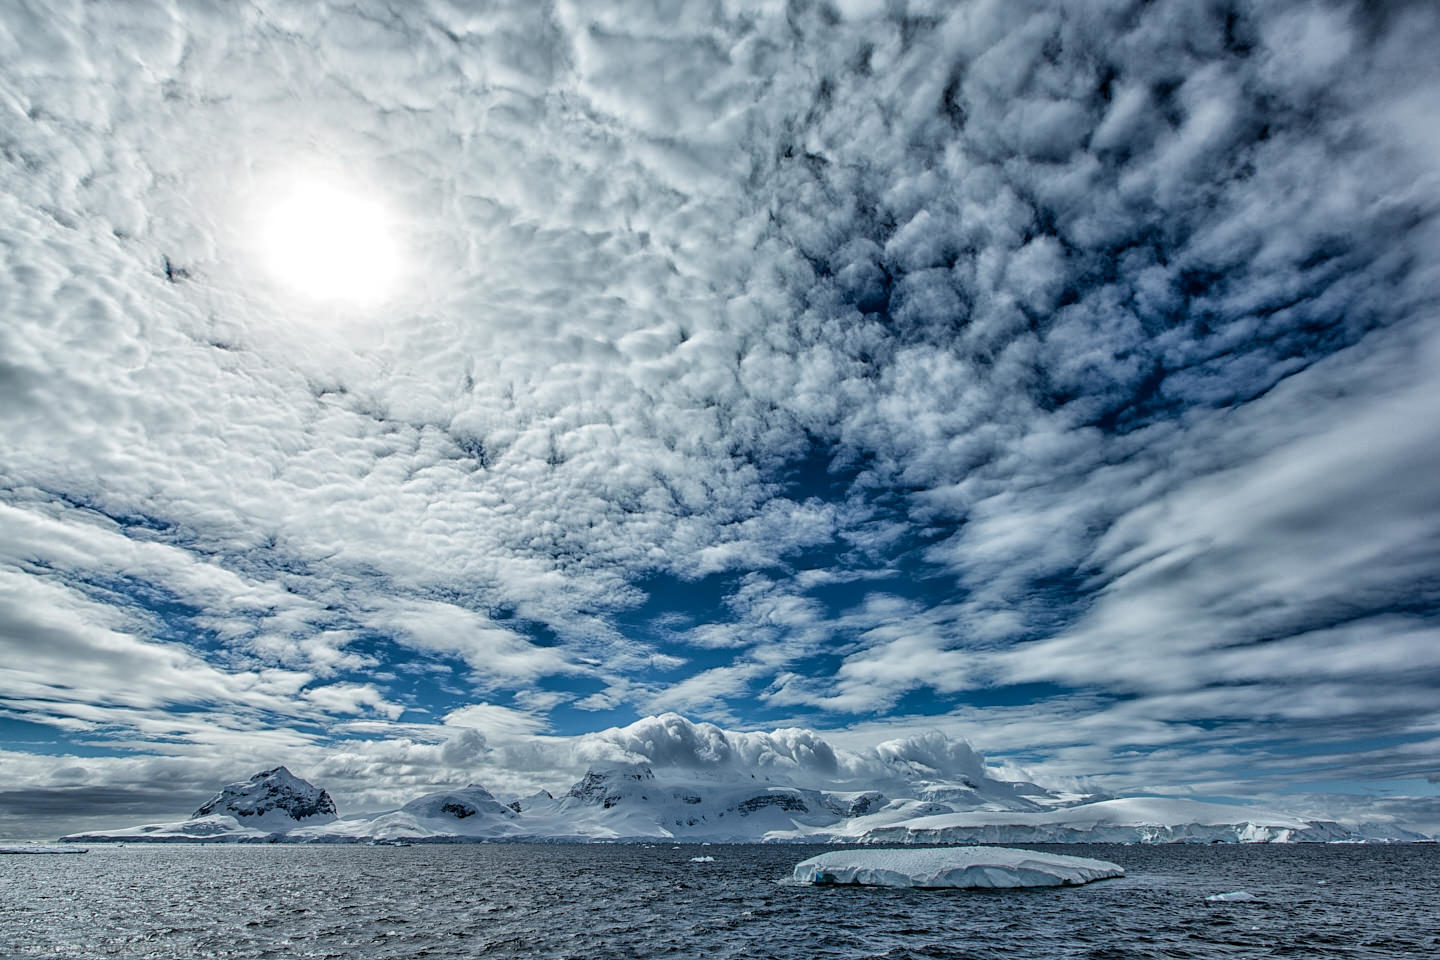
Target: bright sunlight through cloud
[328,243]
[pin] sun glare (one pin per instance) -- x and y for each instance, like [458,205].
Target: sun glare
[329,244]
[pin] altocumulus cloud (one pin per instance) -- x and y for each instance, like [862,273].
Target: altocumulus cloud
[1055,376]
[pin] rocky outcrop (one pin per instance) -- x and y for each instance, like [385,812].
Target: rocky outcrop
[608,788]
[272,798]
[783,801]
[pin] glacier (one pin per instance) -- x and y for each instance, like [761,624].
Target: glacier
[991,867]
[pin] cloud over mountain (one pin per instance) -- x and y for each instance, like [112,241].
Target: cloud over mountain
[1057,377]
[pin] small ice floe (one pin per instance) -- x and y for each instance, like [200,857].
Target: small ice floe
[40,848]
[1234,896]
[702,859]
[993,867]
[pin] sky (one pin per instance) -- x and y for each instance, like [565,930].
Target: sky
[423,393]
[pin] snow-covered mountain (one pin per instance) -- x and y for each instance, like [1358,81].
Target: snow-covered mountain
[667,777]
[630,802]
[470,812]
[626,802]
[273,798]
[271,803]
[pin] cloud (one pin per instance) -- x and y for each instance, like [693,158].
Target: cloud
[1285,566]
[495,720]
[66,649]
[792,754]
[503,752]
[342,698]
[1086,349]
[490,649]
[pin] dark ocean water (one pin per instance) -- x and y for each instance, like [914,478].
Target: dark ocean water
[513,900]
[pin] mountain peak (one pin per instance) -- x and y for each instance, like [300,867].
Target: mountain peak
[271,798]
[469,801]
[608,786]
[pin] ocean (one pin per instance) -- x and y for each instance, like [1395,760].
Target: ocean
[640,901]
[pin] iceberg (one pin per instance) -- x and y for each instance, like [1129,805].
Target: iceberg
[1235,896]
[990,867]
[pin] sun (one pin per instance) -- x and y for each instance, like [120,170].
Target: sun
[328,243]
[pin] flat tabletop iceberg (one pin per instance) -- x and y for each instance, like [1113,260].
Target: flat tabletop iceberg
[954,867]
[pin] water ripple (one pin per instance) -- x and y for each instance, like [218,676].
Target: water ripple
[602,901]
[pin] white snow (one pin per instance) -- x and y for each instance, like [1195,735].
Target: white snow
[273,800]
[462,804]
[953,867]
[1129,820]
[632,802]
[1235,896]
[522,804]
[468,813]
[271,803]
[213,827]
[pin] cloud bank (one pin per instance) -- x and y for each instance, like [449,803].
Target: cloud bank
[1059,378]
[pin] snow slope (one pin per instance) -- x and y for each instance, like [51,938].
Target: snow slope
[470,812]
[630,802]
